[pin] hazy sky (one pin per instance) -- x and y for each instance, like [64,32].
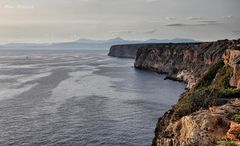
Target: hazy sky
[65,20]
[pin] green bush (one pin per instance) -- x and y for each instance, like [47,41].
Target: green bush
[210,75]
[227,143]
[213,89]
[232,93]
[236,117]
[223,77]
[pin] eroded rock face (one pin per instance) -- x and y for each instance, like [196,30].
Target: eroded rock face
[189,62]
[188,77]
[204,127]
[185,62]
[232,58]
[235,80]
[122,51]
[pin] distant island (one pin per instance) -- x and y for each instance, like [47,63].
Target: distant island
[89,44]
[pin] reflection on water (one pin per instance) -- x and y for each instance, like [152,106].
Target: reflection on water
[79,98]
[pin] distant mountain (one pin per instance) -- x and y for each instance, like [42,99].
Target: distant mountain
[116,40]
[89,44]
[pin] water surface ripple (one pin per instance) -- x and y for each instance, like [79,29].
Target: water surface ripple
[79,98]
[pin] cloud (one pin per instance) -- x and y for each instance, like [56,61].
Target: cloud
[7,6]
[129,32]
[177,24]
[199,23]
[150,1]
[194,18]
[170,18]
[151,31]
[209,22]
[227,17]
[122,32]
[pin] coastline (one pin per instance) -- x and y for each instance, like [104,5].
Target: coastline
[201,66]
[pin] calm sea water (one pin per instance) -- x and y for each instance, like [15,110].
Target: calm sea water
[79,98]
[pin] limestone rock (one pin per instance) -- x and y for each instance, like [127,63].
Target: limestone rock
[232,58]
[204,127]
[186,62]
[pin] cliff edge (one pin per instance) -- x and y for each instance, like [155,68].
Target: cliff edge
[124,51]
[130,50]
[208,112]
[185,62]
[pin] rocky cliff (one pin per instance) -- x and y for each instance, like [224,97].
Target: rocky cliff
[232,58]
[186,62]
[124,51]
[212,71]
[130,50]
[181,61]
[208,127]
[208,113]
[204,126]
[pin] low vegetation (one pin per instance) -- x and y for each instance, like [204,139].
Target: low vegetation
[212,89]
[236,117]
[226,142]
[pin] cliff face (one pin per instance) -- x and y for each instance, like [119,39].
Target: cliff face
[204,128]
[232,58]
[205,114]
[185,62]
[124,51]
[211,70]
[130,50]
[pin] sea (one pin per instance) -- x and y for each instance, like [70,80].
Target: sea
[79,98]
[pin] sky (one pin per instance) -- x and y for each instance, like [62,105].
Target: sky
[66,20]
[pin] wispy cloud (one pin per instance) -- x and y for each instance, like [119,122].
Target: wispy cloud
[209,22]
[122,32]
[170,18]
[227,17]
[151,31]
[7,6]
[177,24]
[149,1]
[129,32]
[199,23]
[194,18]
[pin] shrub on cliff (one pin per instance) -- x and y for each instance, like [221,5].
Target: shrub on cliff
[236,117]
[212,89]
[209,76]
[227,143]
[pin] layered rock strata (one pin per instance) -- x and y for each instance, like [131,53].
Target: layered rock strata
[186,62]
[212,72]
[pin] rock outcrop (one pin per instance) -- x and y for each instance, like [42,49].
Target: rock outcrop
[211,70]
[232,58]
[204,128]
[130,50]
[186,62]
[124,51]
